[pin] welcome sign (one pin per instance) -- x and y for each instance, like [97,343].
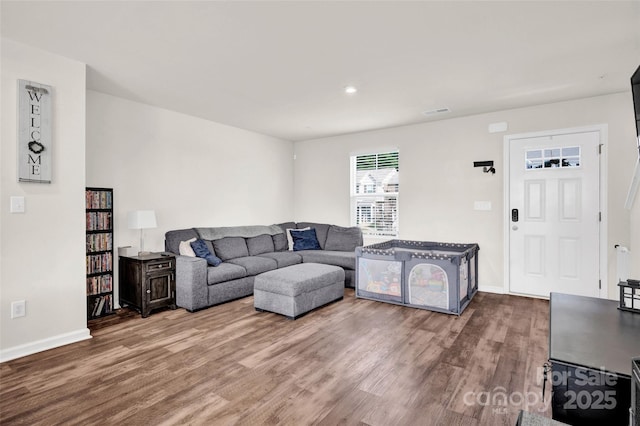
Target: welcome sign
[34,132]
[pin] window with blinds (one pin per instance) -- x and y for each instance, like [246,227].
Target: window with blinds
[374,193]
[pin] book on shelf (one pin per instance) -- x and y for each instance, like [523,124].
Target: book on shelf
[98,302]
[106,283]
[92,286]
[108,304]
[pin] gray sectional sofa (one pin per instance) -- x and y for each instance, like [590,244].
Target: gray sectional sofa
[247,251]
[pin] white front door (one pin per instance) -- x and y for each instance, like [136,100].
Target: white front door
[554,214]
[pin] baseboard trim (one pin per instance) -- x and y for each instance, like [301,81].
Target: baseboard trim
[44,344]
[491,289]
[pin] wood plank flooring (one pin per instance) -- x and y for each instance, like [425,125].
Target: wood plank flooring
[353,362]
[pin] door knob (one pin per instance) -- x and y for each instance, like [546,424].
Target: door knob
[514,227]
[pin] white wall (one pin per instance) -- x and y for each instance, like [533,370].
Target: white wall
[191,171]
[438,183]
[634,245]
[42,250]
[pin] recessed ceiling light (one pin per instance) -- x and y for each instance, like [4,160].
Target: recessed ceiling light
[350,90]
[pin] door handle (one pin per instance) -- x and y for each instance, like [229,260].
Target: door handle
[514,215]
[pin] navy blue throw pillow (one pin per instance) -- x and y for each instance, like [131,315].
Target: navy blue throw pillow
[305,240]
[200,249]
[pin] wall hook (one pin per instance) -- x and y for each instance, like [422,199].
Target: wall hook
[487,166]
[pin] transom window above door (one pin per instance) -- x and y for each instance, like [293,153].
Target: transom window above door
[551,158]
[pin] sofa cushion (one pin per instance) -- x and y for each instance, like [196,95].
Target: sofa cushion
[284,226]
[201,250]
[224,272]
[172,239]
[280,242]
[209,244]
[343,239]
[260,244]
[284,258]
[344,259]
[255,265]
[321,230]
[230,248]
[304,239]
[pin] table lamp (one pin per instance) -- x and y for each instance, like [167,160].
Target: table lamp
[142,219]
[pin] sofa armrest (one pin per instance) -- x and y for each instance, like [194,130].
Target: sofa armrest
[191,283]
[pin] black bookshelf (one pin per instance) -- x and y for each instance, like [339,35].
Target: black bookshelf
[99,249]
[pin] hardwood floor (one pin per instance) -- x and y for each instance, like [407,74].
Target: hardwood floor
[352,362]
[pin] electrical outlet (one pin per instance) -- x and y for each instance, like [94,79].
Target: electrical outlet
[18,309]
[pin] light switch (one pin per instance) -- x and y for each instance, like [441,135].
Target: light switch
[17,204]
[482,205]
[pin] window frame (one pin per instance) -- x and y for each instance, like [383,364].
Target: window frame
[354,196]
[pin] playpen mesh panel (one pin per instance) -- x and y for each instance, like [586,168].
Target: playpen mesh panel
[429,286]
[380,276]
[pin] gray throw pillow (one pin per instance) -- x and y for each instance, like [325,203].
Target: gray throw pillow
[260,244]
[230,248]
[343,239]
[321,231]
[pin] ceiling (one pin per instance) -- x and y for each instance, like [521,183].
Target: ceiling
[279,68]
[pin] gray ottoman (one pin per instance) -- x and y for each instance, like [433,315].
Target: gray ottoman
[295,290]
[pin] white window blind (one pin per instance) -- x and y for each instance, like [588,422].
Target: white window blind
[374,193]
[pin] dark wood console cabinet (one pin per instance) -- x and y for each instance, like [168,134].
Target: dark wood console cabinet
[148,282]
[591,344]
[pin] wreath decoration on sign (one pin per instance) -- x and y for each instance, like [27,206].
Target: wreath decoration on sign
[36,147]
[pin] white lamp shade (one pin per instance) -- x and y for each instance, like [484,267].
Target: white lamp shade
[142,219]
